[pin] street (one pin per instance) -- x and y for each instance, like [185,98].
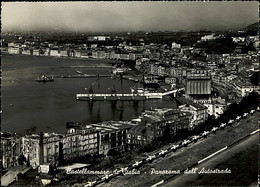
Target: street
[186,156]
[248,146]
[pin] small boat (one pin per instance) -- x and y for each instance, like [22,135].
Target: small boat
[44,78]
[139,90]
[79,72]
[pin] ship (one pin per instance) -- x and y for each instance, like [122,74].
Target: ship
[44,78]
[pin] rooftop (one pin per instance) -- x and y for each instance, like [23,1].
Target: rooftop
[184,101]
[109,126]
[198,77]
[141,128]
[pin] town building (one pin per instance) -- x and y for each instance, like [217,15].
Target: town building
[208,37]
[112,136]
[14,50]
[198,111]
[27,52]
[175,45]
[80,142]
[135,56]
[172,81]
[36,52]
[11,149]
[77,54]
[64,53]
[149,128]
[238,39]
[154,123]
[54,53]
[217,107]
[85,54]
[93,46]
[243,89]
[214,58]
[95,54]
[31,150]
[46,52]
[198,86]
[50,148]
[14,45]
[98,38]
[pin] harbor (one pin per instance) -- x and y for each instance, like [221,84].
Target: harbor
[25,98]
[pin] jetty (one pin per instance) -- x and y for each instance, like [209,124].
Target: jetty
[80,76]
[125,97]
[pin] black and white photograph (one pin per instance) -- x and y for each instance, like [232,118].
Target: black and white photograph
[130,93]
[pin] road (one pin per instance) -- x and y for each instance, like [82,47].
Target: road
[11,175]
[186,156]
[215,163]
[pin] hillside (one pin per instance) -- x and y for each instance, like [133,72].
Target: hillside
[252,29]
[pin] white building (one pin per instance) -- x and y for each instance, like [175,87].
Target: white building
[14,50]
[36,52]
[13,44]
[198,111]
[208,37]
[238,39]
[54,52]
[217,107]
[77,54]
[244,90]
[64,53]
[175,45]
[26,52]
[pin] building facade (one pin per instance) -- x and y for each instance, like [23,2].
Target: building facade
[31,150]
[153,124]
[198,111]
[78,143]
[11,150]
[198,86]
[14,50]
[50,148]
[112,136]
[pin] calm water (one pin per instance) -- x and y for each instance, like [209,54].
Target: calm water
[48,106]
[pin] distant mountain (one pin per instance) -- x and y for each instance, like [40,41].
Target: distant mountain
[252,28]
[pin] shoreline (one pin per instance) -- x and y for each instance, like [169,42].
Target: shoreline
[70,58]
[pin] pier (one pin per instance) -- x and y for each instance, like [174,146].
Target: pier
[173,92]
[115,96]
[93,66]
[125,97]
[80,76]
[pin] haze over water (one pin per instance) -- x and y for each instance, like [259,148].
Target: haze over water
[48,106]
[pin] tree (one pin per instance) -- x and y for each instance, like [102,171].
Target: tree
[61,156]
[28,161]
[21,159]
[255,78]
[112,152]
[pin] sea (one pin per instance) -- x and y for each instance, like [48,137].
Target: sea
[47,107]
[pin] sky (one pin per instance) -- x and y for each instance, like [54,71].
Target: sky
[127,16]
